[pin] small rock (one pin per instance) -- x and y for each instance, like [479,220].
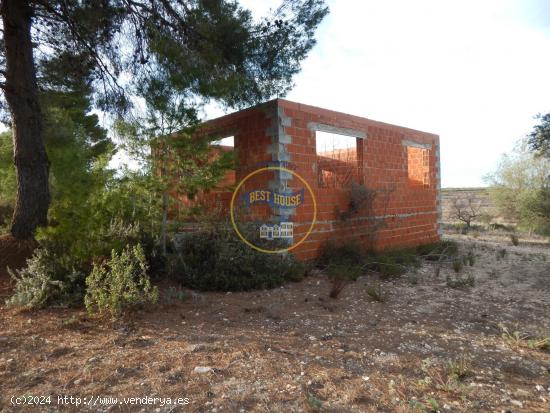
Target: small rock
[539,387]
[191,348]
[516,403]
[77,381]
[202,369]
[521,393]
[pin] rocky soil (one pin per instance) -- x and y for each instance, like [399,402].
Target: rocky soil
[425,347]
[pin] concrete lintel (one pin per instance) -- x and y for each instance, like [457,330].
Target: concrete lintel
[321,127]
[407,142]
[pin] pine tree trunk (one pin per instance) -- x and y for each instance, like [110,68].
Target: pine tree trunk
[21,91]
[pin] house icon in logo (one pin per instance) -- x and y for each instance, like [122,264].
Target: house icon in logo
[284,230]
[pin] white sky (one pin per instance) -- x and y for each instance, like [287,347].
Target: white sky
[473,71]
[327,142]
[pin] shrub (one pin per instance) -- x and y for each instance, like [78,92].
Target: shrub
[340,275]
[460,368]
[392,263]
[515,240]
[217,260]
[349,252]
[389,263]
[470,259]
[48,279]
[375,292]
[361,196]
[120,283]
[458,264]
[173,295]
[461,282]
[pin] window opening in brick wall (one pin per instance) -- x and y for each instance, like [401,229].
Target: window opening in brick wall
[228,141]
[337,160]
[226,144]
[418,166]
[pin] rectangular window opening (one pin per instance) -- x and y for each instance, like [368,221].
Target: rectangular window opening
[226,144]
[418,166]
[337,160]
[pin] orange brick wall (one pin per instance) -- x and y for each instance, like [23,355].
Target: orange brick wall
[400,161]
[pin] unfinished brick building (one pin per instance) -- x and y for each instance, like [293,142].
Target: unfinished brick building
[397,166]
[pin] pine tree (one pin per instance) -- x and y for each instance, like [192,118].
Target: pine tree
[209,49]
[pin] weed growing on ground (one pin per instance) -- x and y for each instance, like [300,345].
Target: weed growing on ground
[442,378]
[460,368]
[313,402]
[458,264]
[174,294]
[341,275]
[514,239]
[515,339]
[374,291]
[493,273]
[470,259]
[460,282]
[347,252]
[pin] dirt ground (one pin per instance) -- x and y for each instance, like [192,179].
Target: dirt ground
[427,347]
[14,252]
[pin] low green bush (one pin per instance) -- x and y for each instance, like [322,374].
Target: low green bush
[47,280]
[217,260]
[501,253]
[460,282]
[392,263]
[349,252]
[389,263]
[340,275]
[458,265]
[120,283]
[374,291]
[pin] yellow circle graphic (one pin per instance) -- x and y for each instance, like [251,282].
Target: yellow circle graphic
[236,228]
